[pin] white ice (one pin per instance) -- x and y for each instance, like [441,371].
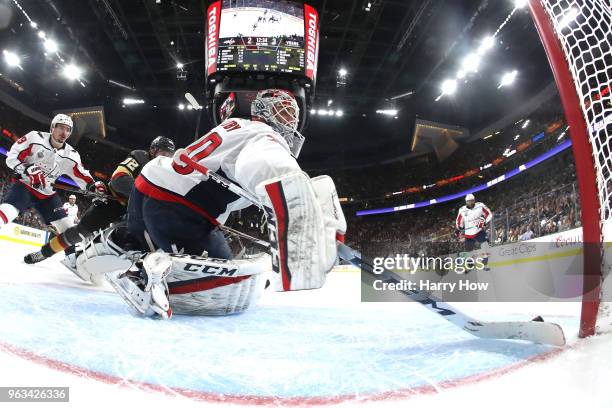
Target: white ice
[311,347]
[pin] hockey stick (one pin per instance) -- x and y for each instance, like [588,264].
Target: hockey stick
[534,331]
[264,244]
[84,192]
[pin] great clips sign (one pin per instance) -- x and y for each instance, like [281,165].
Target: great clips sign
[213,15]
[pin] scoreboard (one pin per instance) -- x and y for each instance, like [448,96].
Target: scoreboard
[262,36]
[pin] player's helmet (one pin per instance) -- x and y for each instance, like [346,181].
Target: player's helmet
[63,119]
[228,106]
[72,196]
[162,143]
[470,197]
[279,109]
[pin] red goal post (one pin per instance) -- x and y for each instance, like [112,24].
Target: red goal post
[577,37]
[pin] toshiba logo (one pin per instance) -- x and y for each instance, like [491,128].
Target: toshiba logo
[311,47]
[212,35]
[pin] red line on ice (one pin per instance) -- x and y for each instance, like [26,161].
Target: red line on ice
[402,393]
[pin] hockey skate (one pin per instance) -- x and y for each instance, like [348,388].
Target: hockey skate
[144,286]
[34,257]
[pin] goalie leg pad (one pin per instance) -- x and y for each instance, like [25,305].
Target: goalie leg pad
[296,232]
[215,287]
[100,255]
[333,217]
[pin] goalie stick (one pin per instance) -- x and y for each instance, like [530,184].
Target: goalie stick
[536,331]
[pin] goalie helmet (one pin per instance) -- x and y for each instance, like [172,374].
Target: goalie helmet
[279,109]
[228,106]
[63,119]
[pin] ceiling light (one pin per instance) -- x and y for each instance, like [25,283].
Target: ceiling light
[520,3]
[322,112]
[33,24]
[11,59]
[568,18]
[339,113]
[525,124]
[50,45]
[132,101]
[449,87]
[181,106]
[42,34]
[508,78]
[72,72]
[329,102]
[471,62]
[487,43]
[313,111]
[388,112]
[342,72]
[179,65]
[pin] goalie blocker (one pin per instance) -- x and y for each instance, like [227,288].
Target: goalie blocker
[304,221]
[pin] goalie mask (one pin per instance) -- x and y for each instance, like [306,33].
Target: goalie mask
[279,109]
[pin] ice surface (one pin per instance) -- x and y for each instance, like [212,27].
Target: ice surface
[304,347]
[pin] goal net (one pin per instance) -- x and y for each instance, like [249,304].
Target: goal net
[577,37]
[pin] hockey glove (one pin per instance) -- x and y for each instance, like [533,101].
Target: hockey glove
[481,222]
[36,176]
[97,188]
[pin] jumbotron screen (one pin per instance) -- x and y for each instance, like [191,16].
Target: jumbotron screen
[262,36]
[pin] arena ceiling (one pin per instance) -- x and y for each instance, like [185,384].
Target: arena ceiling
[397,53]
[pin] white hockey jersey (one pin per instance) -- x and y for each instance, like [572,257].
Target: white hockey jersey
[244,151]
[72,211]
[471,219]
[36,148]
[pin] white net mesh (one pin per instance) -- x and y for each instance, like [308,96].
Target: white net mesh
[584,29]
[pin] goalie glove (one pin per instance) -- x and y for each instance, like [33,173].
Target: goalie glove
[301,255]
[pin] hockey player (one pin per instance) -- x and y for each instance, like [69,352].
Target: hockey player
[177,209]
[72,209]
[102,212]
[471,222]
[38,159]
